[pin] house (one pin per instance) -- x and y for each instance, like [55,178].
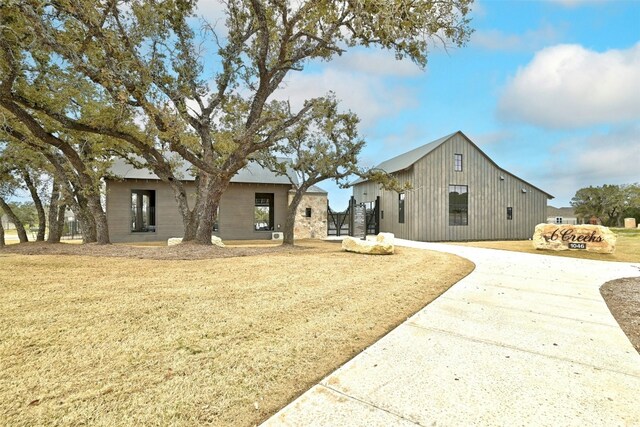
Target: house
[563,216]
[142,208]
[6,223]
[457,194]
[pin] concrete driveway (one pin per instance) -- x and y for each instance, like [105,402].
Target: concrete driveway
[523,340]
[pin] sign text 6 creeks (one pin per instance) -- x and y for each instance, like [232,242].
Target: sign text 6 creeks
[592,238]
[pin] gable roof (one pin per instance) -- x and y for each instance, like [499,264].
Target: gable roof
[406,160]
[565,212]
[252,173]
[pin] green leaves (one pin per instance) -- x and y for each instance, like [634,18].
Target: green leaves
[609,202]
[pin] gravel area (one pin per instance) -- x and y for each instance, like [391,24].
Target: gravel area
[623,299]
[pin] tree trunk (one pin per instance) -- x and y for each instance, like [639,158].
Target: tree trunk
[42,219]
[84,217]
[100,218]
[290,223]
[54,218]
[188,216]
[210,191]
[2,243]
[22,234]
[61,210]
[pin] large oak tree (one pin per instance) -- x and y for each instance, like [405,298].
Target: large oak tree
[146,56]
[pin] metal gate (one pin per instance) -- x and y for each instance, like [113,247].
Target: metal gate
[342,223]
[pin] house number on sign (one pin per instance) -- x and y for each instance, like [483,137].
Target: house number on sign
[577,246]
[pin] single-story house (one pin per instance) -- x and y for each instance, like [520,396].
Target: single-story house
[563,216]
[6,223]
[457,194]
[142,208]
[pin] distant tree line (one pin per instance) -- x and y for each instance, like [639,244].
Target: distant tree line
[609,203]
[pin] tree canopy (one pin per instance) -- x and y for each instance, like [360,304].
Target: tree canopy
[609,203]
[139,72]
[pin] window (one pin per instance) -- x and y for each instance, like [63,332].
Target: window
[457,162]
[558,220]
[509,213]
[263,212]
[401,208]
[307,212]
[458,205]
[143,211]
[215,222]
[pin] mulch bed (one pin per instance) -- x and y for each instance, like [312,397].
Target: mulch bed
[177,252]
[623,299]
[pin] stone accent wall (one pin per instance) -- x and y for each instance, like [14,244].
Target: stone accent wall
[314,227]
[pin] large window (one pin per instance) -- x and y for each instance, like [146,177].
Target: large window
[509,213]
[457,162]
[143,211]
[263,212]
[401,208]
[458,205]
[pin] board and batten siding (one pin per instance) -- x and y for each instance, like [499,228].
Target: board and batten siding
[235,218]
[491,191]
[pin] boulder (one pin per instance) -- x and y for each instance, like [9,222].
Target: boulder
[591,238]
[215,240]
[382,238]
[174,241]
[382,244]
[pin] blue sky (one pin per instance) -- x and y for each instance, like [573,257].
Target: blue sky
[550,90]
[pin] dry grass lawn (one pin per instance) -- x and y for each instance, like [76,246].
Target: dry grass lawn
[105,341]
[627,248]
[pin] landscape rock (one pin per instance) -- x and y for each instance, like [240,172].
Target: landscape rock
[382,238]
[215,240]
[592,238]
[382,244]
[629,223]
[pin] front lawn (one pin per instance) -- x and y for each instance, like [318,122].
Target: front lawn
[103,341]
[627,247]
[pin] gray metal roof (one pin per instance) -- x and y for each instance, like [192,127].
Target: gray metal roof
[253,173]
[316,189]
[564,212]
[404,161]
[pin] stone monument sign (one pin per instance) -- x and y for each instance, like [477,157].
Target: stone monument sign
[591,238]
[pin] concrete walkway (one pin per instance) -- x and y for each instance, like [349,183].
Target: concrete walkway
[523,340]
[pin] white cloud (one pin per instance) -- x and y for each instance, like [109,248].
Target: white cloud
[612,156]
[369,96]
[597,159]
[478,9]
[492,138]
[568,86]
[380,63]
[575,3]
[530,40]
[213,11]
